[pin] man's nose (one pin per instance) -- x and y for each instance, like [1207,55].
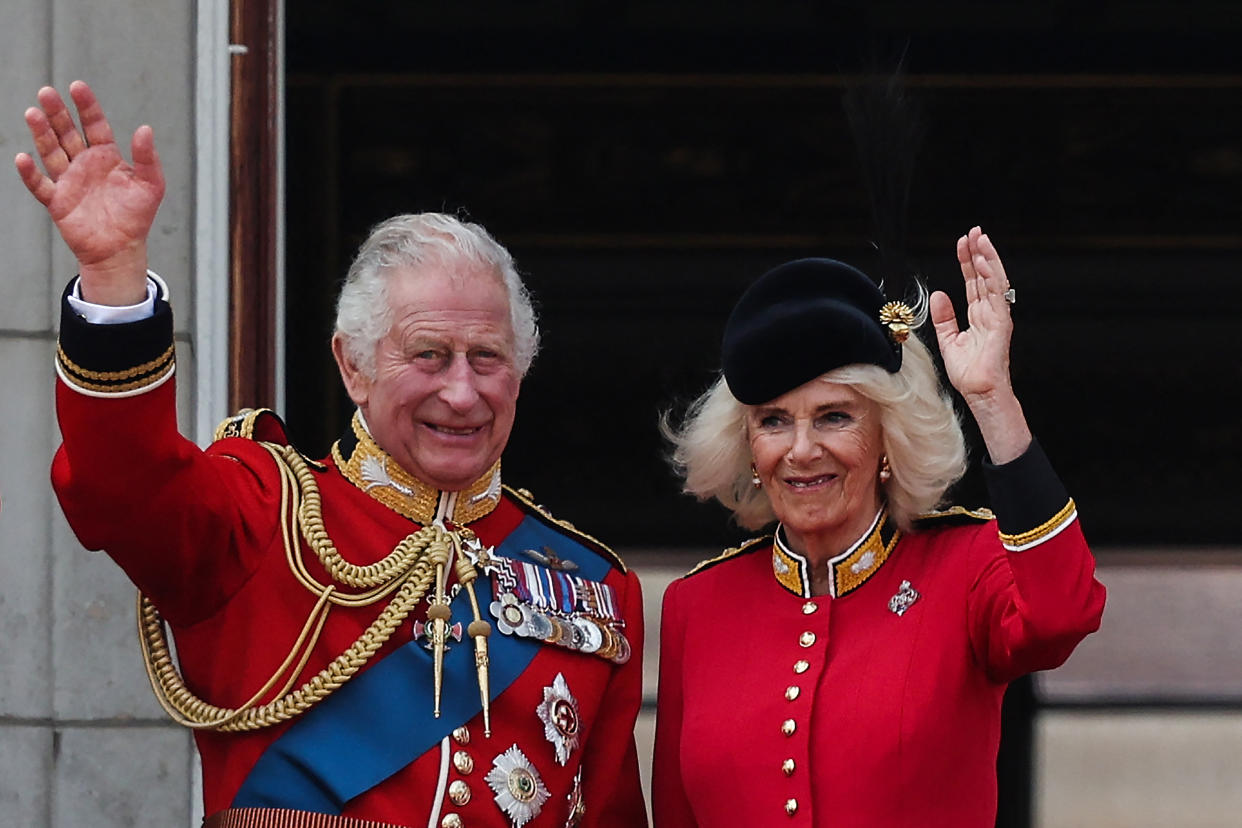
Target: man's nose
[460,391]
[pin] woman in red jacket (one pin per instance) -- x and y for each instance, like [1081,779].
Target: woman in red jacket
[848,669]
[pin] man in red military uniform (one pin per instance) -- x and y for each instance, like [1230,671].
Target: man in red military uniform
[389,636]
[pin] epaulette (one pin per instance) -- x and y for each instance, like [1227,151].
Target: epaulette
[526,500]
[749,546]
[953,516]
[254,424]
[261,425]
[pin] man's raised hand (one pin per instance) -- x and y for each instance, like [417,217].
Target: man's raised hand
[102,205]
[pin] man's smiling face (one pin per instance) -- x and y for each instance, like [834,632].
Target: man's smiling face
[444,393]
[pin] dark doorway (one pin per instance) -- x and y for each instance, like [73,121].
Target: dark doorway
[645,162]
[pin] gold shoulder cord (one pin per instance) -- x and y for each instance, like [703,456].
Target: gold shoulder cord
[408,570]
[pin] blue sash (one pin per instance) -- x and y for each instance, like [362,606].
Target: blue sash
[381,720]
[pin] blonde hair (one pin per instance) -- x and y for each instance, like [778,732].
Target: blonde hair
[921,434]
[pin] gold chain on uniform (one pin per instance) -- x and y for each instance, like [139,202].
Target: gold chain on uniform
[408,570]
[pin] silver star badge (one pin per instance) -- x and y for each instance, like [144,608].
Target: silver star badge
[520,792]
[559,714]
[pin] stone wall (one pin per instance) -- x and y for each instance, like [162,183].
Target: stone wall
[82,741]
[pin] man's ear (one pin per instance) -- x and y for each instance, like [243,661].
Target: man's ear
[357,383]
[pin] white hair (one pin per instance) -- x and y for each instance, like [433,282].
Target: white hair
[921,435]
[363,315]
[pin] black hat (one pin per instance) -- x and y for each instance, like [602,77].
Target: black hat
[803,319]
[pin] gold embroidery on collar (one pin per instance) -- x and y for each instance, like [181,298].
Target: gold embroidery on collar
[790,569]
[850,570]
[371,469]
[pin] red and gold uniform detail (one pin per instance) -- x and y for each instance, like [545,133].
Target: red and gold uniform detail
[874,706]
[199,533]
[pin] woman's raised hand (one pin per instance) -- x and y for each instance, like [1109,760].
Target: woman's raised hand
[976,359]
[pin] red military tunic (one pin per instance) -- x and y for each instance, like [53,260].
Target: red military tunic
[200,534]
[877,705]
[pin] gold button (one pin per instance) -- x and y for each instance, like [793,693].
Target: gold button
[809,607]
[807,638]
[451,821]
[459,792]
[792,692]
[462,735]
[788,727]
[788,767]
[801,666]
[463,762]
[791,806]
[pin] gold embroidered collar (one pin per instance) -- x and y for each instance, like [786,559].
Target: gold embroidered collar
[371,469]
[849,570]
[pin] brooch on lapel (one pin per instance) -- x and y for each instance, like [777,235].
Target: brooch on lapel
[904,599]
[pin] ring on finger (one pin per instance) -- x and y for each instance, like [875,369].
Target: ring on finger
[1010,295]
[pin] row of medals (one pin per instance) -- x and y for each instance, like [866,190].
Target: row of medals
[575,632]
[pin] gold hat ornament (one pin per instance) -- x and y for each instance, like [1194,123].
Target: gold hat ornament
[899,319]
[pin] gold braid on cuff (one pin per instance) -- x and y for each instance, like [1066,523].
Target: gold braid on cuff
[1043,530]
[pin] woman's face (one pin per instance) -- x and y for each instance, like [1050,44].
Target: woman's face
[817,450]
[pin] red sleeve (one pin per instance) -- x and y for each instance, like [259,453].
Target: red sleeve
[670,807]
[185,525]
[612,790]
[1037,596]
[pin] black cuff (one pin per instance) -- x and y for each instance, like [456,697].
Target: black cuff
[124,358]
[1026,493]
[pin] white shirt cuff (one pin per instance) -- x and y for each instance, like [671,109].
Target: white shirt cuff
[113,315]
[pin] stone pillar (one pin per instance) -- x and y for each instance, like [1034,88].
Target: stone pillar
[82,741]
